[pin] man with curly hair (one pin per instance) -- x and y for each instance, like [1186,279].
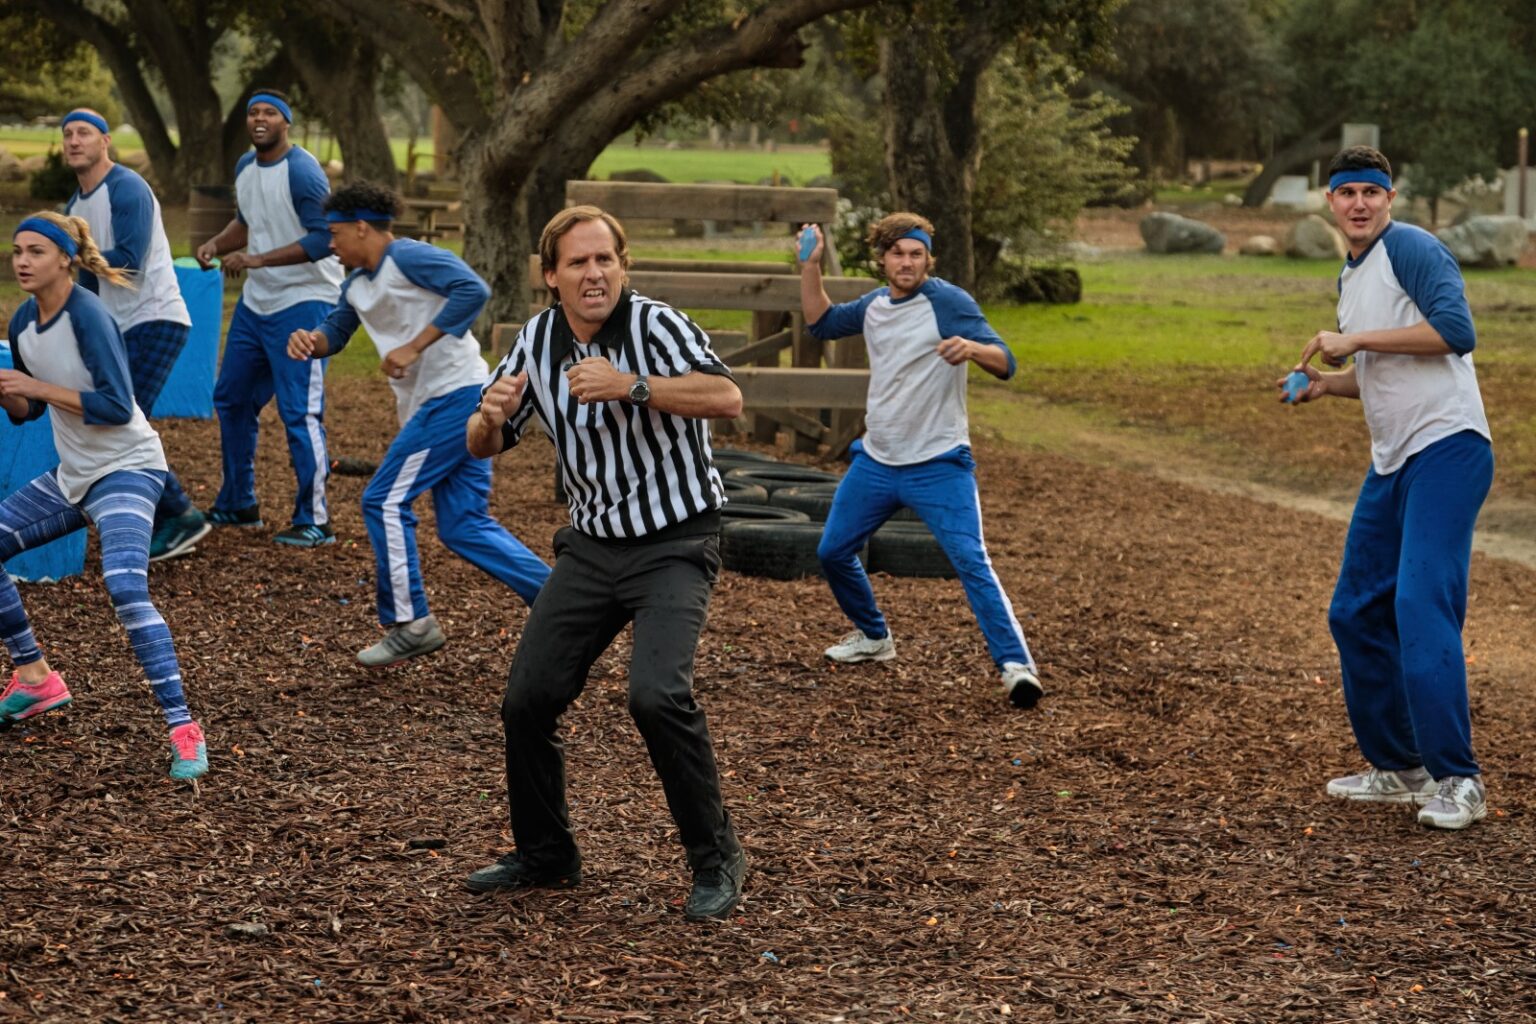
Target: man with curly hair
[418,302]
[922,332]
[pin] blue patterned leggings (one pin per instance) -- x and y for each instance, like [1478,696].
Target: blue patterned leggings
[122,505]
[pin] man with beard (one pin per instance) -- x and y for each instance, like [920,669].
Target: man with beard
[293,282]
[124,217]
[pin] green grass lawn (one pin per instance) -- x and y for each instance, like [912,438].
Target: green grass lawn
[799,164]
[1183,352]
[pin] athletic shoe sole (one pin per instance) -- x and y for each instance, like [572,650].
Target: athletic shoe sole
[1420,799]
[187,546]
[37,709]
[395,660]
[1477,815]
[860,658]
[304,543]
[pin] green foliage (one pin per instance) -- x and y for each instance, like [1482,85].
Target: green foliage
[1449,82]
[1202,77]
[45,72]
[54,180]
[1049,152]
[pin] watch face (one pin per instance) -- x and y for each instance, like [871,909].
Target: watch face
[640,392]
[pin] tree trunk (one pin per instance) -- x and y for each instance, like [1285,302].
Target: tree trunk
[340,78]
[496,235]
[931,149]
[1299,153]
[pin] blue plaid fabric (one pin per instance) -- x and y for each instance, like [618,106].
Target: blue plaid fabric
[152,350]
[153,347]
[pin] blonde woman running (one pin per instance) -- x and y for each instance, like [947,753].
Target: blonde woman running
[69,356]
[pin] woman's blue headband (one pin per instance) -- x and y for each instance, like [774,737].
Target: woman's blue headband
[51,231]
[921,236]
[94,120]
[266,97]
[348,216]
[1362,176]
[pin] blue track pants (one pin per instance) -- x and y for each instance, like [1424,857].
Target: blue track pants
[255,369]
[122,505]
[429,453]
[942,491]
[1400,603]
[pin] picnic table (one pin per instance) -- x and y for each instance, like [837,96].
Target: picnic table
[427,223]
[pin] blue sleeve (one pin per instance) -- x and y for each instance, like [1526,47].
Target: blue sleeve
[844,319]
[442,273]
[133,220]
[240,165]
[1432,278]
[106,357]
[309,188]
[959,317]
[26,314]
[342,322]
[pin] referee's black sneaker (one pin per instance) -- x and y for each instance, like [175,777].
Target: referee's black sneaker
[514,872]
[717,890]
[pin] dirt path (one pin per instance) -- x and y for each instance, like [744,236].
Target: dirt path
[1151,844]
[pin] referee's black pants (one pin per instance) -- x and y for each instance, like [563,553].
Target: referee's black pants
[663,586]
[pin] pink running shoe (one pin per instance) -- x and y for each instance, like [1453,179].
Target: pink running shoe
[189,753]
[21,700]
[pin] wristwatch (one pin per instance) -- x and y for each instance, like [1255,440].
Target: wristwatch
[640,391]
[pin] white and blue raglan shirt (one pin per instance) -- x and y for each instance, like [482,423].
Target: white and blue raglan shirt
[124,217]
[82,349]
[416,284]
[916,408]
[1405,277]
[281,203]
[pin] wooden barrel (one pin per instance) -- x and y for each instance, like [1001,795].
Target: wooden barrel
[209,208]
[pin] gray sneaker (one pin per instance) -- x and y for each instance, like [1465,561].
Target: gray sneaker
[1458,802]
[856,647]
[1408,786]
[404,640]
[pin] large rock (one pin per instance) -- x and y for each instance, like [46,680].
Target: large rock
[34,163]
[1313,238]
[1170,233]
[1486,241]
[1259,245]
[10,168]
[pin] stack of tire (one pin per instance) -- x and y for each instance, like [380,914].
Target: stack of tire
[775,512]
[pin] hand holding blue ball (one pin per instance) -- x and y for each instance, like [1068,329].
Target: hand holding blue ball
[1296,385]
[807,243]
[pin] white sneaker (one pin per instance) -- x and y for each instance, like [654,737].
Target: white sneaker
[1021,686]
[856,647]
[1408,786]
[1459,801]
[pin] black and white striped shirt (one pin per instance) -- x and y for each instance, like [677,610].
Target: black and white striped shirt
[629,471]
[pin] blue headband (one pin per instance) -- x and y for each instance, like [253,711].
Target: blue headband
[921,236]
[348,216]
[51,231]
[94,120]
[266,97]
[1363,176]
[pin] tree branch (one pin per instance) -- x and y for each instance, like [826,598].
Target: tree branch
[424,51]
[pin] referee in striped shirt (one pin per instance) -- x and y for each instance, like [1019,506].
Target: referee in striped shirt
[623,386]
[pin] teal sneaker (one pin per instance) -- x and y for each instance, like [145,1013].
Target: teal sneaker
[189,752]
[249,516]
[310,535]
[20,700]
[178,535]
